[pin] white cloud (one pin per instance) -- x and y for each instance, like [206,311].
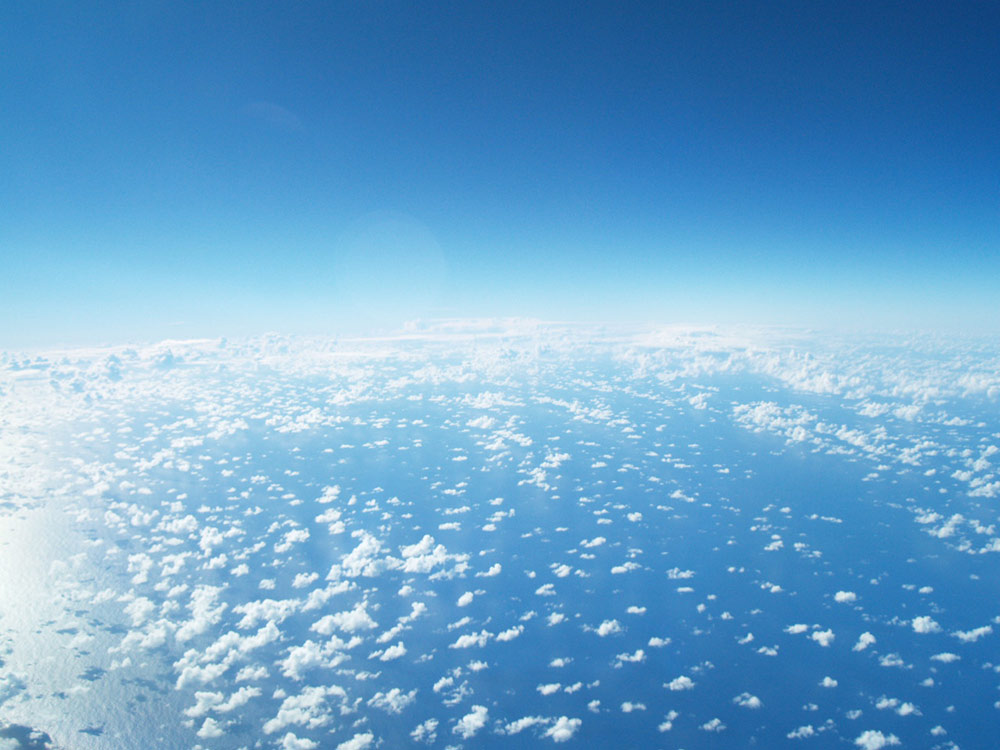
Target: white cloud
[971,636]
[872,739]
[637,657]
[393,652]
[608,627]
[680,683]
[466,599]
[865,640]
[519,725]
[361,741]
[210,729]
[470,724]
[348,621]
[845,597]
[510,634]
[307,709]
[823,637]
[292,742]
[394,701]
[747,701]
[925,624]
[563,729]
[425,731]
[472,639]
[946,657]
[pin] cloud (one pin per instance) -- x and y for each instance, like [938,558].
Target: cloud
[946,657]
[348,621]
[865,640]
[971,636]
[426,731]
[872,739]
[680,683]
[713,725]
[307,709]
[361,741]
[393,652]
[925,624]
[608,627]
[747,701]
[394,701]
[470,724]
[466,599]
[823,637]
[510,634]
[845,597]
[292,742]
[802,732]
[210,729]
[637,657]
[563,729]
[472,639]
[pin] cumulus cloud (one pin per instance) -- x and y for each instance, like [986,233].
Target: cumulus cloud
[470,724]
[608,627]
[971,636]
[360,741]
[823,637]
[747,700]
[394,701]
[680,683]
[872,739]
[925,624]
[563,729]
[865,640]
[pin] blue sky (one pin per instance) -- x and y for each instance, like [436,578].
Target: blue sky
[172,169]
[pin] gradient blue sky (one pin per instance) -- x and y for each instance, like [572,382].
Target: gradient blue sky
[184,169]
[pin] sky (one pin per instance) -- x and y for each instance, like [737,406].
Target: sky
[180,169]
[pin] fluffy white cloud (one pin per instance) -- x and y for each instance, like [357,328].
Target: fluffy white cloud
[971,636]
[394,701]
[865,640]
[925,624]
[360,741]
[470,724]
[747,700]
[608,627]
[293,742]
[680,683]
[563,729]
[823,637]
[872,739]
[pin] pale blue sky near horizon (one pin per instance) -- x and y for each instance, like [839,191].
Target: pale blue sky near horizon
[201,169]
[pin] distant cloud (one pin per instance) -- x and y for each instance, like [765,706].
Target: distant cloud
[470,724]
[875,740]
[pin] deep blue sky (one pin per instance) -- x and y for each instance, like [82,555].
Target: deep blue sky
[178,169]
